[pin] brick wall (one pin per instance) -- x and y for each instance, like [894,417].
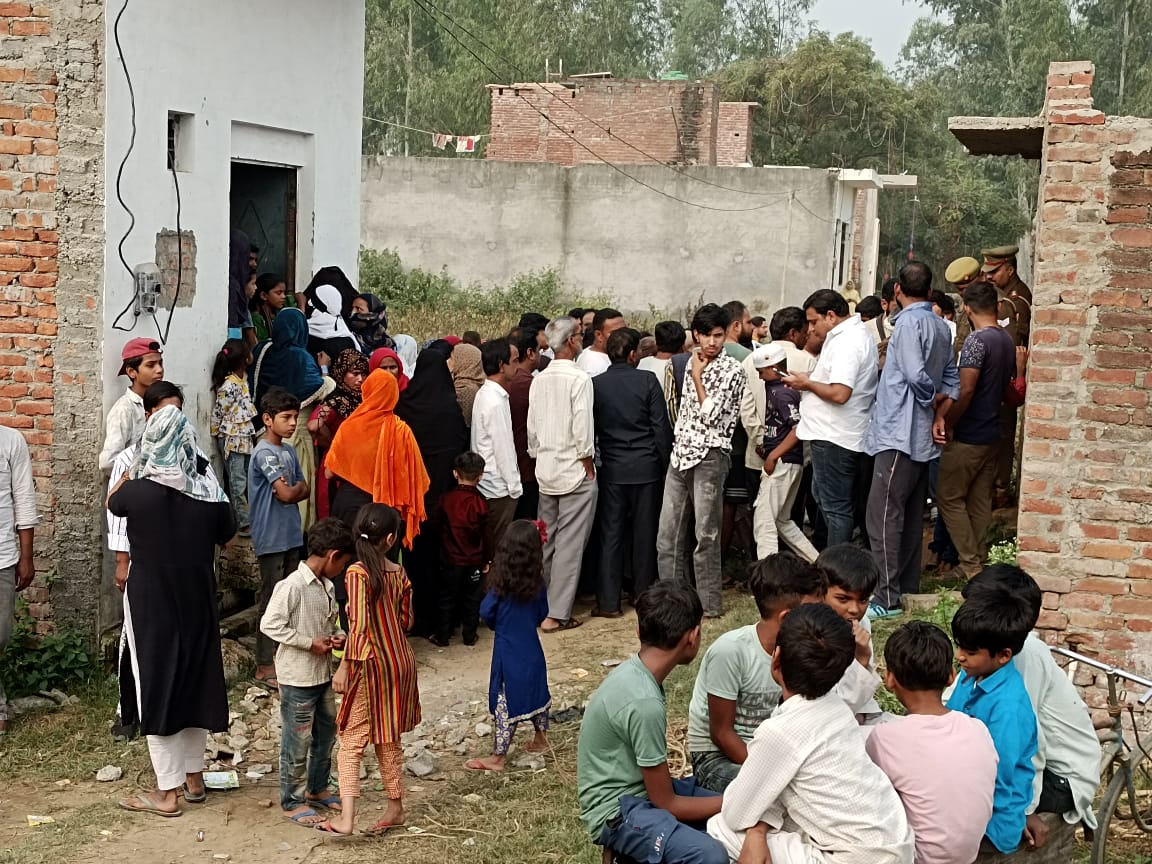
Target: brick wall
[734,133]
[49,349]
[1085,526]
[673,122]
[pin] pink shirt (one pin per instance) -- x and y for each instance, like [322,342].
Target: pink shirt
[944,769]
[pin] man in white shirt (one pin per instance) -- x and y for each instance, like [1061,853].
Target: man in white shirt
[835,406]
[492,437]
[18,520]
[561,438]
[694,487]
[142,363]
[670,338]
[595,360]
[808,792]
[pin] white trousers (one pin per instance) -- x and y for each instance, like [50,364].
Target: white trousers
[772,518]
[174,757]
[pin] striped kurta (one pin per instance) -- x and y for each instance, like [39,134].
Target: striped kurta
[381,657]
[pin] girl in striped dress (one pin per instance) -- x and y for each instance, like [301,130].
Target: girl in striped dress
[378,673]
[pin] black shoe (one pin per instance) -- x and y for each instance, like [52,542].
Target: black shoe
[438,640]
[471,639]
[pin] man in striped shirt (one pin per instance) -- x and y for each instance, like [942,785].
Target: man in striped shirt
[561,439]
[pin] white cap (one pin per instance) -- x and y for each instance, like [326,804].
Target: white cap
[769,355]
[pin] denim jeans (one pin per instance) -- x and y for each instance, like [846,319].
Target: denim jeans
[698,492]
[236,472]
[644,832]
[308,715]
[834,471]
[7,621]
[714,770]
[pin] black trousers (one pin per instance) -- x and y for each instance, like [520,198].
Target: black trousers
[629,516]
[461,590]
[528,505]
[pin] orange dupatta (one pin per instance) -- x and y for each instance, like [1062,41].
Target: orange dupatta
[376,451]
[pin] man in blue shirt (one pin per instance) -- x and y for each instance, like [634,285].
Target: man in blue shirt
[905,433]
[989,631]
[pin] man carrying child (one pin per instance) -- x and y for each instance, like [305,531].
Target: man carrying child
[806,768]
[735,691]
[302,616]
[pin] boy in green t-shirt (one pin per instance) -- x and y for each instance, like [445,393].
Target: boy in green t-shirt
[628,801]
[734,691]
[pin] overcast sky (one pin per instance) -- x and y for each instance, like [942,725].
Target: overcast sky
[885,23]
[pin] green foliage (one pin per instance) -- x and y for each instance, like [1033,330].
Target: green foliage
[31,663]
[1004,553]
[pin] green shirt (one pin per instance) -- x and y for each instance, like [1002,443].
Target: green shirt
[623,730]
[735,667]
[736,351]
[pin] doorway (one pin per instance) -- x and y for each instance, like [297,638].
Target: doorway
[262,204]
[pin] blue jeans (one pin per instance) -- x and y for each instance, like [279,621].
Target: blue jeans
[714,770]
[236,476]
[308,715]
[834,471]
[649,835]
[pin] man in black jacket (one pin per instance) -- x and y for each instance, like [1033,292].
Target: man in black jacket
[634,439]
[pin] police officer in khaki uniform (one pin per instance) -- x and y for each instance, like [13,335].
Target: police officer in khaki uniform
[1015,315]
[960,274]
[1015,297]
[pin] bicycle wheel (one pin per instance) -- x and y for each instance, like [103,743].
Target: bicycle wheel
[1124,832]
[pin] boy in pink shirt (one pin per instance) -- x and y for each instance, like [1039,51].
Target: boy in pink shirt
[942,763]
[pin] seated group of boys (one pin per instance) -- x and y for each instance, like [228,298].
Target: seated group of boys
[793,760]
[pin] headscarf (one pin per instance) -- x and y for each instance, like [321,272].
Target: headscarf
[335,277]
[430,408]
[325,321]
[452,340]
[376,451]
[239,248]
[467,376]
[378,358]
[371,328]
[442,347]
[167,455]
[284,361]
[342,400]
[406,347]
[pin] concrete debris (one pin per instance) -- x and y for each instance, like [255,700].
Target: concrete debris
[483,730]
[109,774]
[423,765]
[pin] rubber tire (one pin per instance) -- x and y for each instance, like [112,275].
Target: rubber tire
[1108,804]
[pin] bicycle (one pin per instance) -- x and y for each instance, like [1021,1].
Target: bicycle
[1125,772]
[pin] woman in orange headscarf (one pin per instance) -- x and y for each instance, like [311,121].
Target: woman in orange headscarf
[374,458]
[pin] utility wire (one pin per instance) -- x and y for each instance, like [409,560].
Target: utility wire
[592,152]
[120,173]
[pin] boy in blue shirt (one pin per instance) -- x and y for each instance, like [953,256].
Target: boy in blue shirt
[988,635]
[276,485]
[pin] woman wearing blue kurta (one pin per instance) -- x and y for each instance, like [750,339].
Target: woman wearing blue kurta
[516,604]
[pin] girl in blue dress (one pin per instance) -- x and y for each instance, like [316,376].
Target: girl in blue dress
[516,604]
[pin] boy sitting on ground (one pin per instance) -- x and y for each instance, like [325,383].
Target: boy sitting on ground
[942,763]
[1067,759]
[989,632]
[628,801]
[806,769]
[852,577]
[734,691]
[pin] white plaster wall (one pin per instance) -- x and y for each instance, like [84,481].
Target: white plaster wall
[275,81]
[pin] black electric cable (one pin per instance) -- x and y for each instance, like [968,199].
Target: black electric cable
[179,262]
[120,174]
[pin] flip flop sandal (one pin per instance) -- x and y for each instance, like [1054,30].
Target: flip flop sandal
[478,765]
[332,802]
[195,799]
[381,828]
[569,624]
[307,814]
[141,804]
[269,684]
[325,827]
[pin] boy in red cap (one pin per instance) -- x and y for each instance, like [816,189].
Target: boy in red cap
[142,362]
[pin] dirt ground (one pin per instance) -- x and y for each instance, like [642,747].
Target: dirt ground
[245,825]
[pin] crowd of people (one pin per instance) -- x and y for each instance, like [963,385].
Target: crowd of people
[394,491]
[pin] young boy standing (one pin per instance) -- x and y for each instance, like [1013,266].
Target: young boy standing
[806,768]
[302,616]
[852,575]
[628,801]
[734,691]
[465,551]
[142,362]
[988,634]
[783,455]
[942,763]
[275,485]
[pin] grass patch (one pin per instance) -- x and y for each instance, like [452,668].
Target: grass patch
[51,844]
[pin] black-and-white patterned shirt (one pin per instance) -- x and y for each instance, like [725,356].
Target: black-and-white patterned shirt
[707,425]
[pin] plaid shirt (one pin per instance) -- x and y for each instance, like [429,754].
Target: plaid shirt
[303,606]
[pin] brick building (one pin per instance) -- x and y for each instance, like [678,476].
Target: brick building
[622,121]
[1085,528]
[70,133]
